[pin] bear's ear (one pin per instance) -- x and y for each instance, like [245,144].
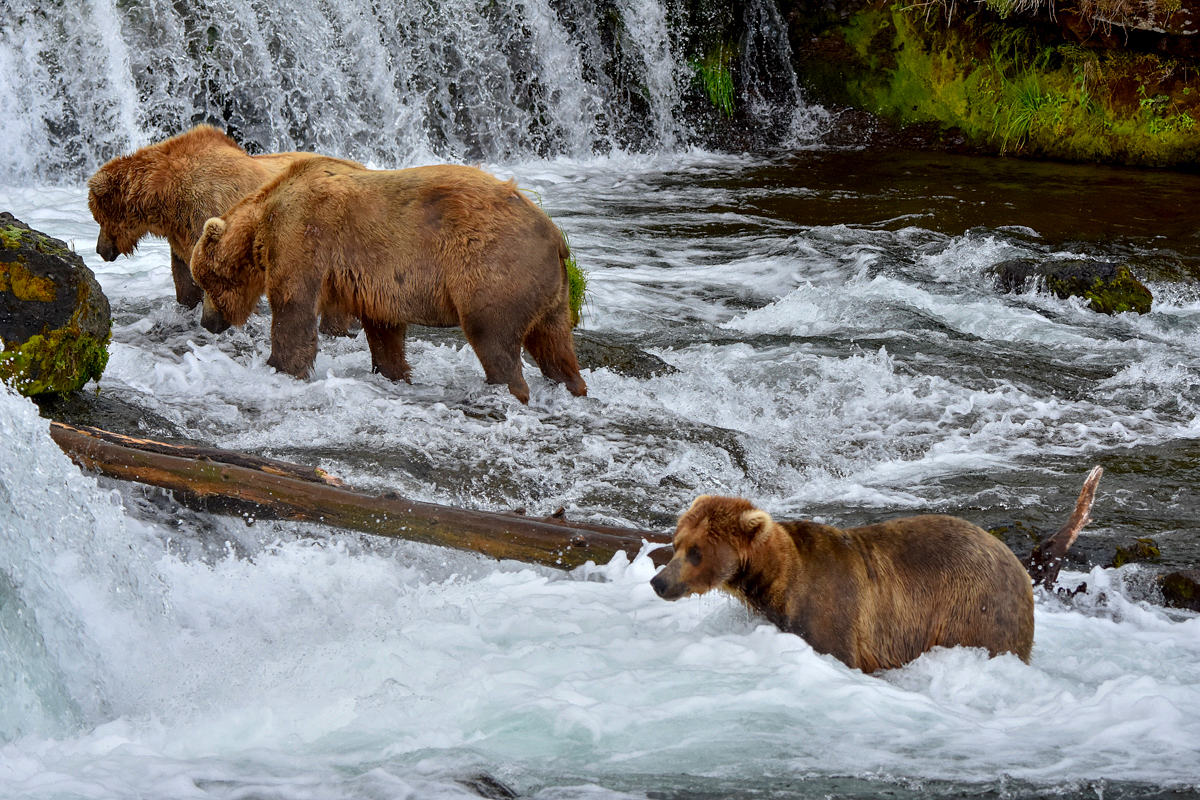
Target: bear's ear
[214,229]
[698,501]
[755,524]
[100,184]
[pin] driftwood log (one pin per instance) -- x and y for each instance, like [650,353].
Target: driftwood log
[295,492]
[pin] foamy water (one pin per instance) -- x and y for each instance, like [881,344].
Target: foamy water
[319,666]
[846,371]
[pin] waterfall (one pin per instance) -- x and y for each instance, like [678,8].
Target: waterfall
[389,84]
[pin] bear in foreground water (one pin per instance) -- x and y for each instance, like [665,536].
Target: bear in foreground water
[874,597]
[169,189]
[440,246]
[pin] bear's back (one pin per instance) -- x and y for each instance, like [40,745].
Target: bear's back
[922,582]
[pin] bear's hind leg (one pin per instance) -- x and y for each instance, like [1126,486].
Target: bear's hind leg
[499,351]
[552,347]
[293,337]
[387,350]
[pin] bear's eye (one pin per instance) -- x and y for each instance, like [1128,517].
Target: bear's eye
[694,556]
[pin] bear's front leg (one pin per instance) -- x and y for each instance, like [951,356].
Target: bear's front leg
[187,292]
[387,350]
[293,337]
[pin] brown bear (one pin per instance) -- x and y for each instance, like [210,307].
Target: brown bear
[875,597]
[440,246]
[169,189]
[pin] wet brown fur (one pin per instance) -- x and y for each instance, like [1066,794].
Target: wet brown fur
[170,189]
[875,597]
[439,246]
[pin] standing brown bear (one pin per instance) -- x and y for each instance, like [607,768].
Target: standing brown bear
[169,189]
[440,246]
[874,597]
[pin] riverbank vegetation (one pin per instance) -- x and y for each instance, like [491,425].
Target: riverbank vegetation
[1003,77]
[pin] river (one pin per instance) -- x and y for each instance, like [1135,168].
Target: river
[831,346]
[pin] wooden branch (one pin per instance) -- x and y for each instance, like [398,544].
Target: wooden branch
[1047,557]
[291,491]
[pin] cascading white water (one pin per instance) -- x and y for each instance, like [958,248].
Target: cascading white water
[389,84]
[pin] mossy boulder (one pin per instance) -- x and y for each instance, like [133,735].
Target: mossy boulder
[1139,551]
[1181,589]
[1110,288]
[55,321]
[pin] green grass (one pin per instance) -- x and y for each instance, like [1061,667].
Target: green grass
[715,74]
[1062,101]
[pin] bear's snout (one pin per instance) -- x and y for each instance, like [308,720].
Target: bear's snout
[106,247]
[211,318]
[666,583]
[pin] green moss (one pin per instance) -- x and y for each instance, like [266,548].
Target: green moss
[1007,91]
[1137,551]
[10,237]
[24,285]
[715,74]
[61,361]
[577,281]
[1181,590]
[1122,293]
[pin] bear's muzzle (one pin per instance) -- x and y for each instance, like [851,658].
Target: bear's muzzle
[211,318]
[106,247]
[666,583]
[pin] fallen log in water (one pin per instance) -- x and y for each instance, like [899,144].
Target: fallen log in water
[295,492]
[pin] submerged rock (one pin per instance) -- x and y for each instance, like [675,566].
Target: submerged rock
[623,359]
[1139,551]
[1111,288]
[55,321]
[1181,589]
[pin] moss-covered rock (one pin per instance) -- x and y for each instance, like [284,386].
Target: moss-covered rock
[1181,589]
[55,321]
[1109,288]
[1138,551]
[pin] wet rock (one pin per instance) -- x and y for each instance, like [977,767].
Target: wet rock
[1136,552]
[55,321]
[1111,288]
[623,359]
[91,409]
[1181,589]
[487,785]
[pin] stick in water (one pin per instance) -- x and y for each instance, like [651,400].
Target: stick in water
[1046,559]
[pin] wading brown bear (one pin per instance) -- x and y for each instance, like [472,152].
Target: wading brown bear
[439,246]
[874,597]
[169,189]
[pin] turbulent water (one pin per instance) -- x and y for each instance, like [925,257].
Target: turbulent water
[837,350]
